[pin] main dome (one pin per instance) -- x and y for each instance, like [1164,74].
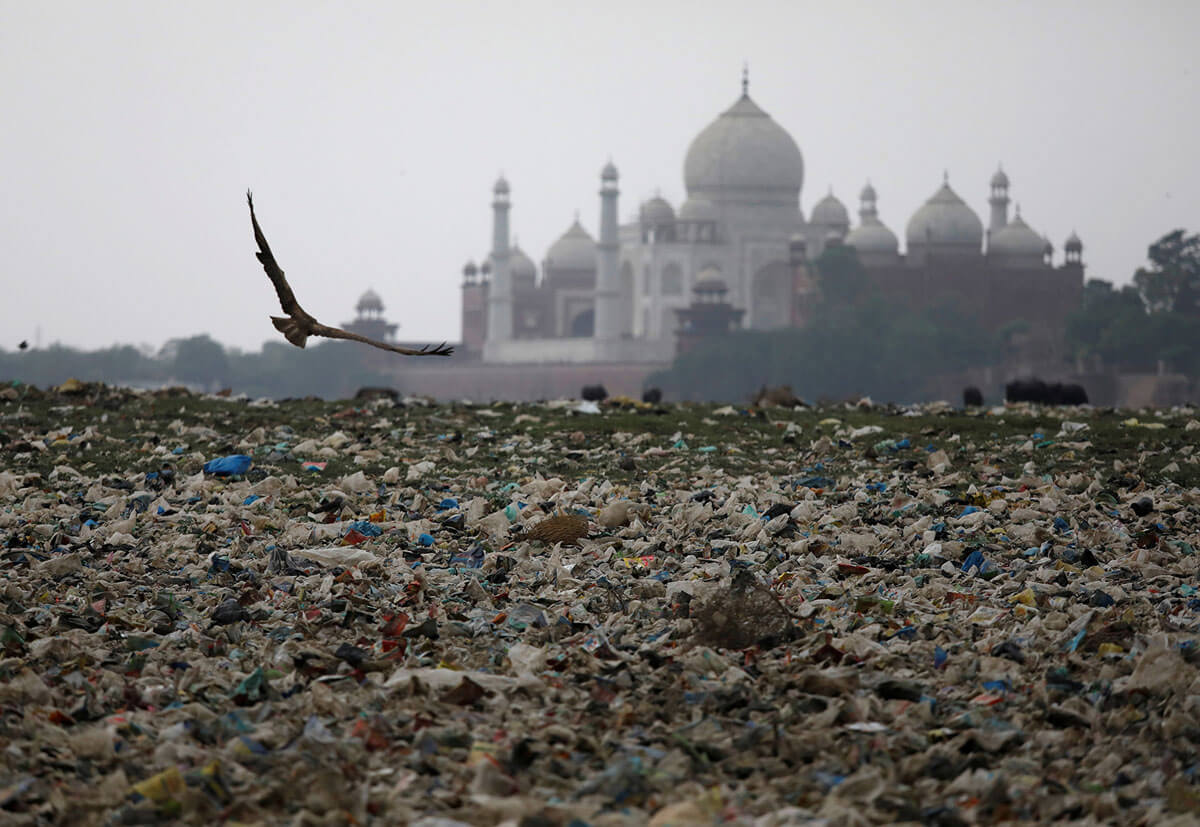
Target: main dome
[744,156]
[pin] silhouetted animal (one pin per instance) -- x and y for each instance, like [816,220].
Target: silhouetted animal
[972,397]
[594,393]
[1068,395]
[370,392]
[652,396]
[298,325]
[777,396]
[23,346]
[1035,390]
[1025,390]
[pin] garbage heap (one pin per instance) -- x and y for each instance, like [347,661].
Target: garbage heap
[223,610]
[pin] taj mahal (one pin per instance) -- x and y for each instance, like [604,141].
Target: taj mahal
[742,237]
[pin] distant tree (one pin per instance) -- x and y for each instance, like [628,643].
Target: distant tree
[1110,323]
[856,345]
[202,360]
[840,276]
[1171,282]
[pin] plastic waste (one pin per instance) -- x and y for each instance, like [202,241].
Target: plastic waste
[234,464]
[568,620]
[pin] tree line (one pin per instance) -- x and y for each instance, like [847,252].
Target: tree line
[859,345]
[1155,320]
[326,369]
[856,344]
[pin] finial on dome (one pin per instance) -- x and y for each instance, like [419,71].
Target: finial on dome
[946,177]
[745,79]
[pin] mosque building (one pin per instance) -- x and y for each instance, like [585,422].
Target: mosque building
[741,238]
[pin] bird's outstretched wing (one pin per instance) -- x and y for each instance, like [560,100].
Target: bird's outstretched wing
[328,332]
[299,325]
[287,299]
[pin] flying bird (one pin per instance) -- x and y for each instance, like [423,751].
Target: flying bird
[298,325]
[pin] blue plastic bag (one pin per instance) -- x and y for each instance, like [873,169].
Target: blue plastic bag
[232,464]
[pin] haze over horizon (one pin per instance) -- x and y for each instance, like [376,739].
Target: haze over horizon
[371,134]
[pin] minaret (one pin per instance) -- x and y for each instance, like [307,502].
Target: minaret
[867,211]
[999,201]
[608,299]
[474,320]
[1074,250]
[499,308]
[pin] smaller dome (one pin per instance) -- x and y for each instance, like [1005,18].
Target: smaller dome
[485,267]
[1016,238]
[868,193]
[873,236]
[945,220]
[657,212]
[501,187]
[698,209]
[1073,245]
[469,269]
[710,285]
[1000,179]
[574,250]
[520,265]
[831,212]
[609,173]
[369,301]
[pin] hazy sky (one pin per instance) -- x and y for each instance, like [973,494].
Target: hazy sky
[372,133]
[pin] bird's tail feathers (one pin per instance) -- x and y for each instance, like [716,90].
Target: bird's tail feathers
[291,330]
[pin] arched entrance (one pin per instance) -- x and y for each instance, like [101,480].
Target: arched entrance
[583,324]
[627,299]
[771,297]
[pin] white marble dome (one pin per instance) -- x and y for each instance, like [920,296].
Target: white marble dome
[744,154]
[657,212]
[698,209]
[520,265]
[574,250]
[945,220]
